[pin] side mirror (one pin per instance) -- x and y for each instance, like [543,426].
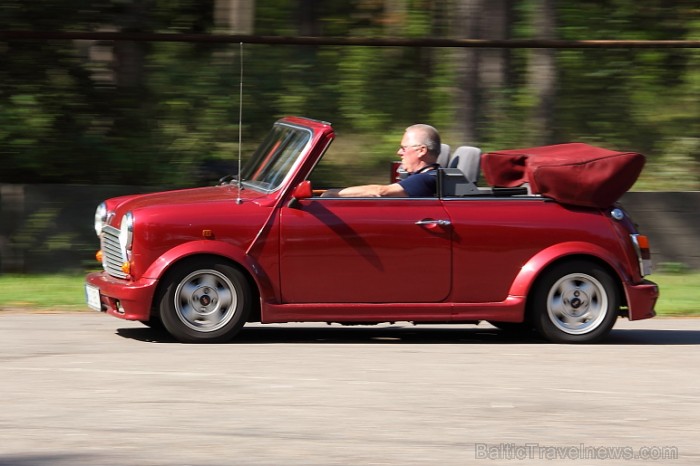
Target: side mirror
[303,190]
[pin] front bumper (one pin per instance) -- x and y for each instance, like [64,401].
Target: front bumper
[122,298]
[641,299]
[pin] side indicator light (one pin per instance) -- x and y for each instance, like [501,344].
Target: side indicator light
[208,234]
[643,241]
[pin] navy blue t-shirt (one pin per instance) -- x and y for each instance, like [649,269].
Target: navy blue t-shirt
[420,184]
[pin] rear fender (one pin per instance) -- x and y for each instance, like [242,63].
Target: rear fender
[532,269]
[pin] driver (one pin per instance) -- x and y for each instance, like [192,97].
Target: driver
[419,150]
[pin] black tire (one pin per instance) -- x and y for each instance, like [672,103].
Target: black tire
[575,302]
[204,302]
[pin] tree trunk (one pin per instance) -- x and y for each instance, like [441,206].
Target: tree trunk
[309,24]
[235,16]
[542,74]
[495,24]
[481,73]
[466,26]
[130,57]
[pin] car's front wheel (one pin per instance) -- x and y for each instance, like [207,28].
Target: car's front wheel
[575,302]
[204,301]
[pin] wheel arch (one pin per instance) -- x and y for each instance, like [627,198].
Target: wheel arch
[189,252]
[530,274]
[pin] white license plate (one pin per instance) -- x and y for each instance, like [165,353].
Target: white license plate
[92,295]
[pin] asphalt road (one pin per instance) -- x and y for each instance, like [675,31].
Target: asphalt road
[89,389]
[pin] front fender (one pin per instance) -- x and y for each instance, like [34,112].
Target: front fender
[536,264]
[214,248]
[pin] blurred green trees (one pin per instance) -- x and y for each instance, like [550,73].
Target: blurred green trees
[161,113]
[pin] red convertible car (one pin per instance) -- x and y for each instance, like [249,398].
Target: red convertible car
[543,247]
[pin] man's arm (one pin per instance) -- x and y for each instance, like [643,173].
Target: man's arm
[374,190]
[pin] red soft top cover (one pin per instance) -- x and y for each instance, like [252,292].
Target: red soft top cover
[574,173]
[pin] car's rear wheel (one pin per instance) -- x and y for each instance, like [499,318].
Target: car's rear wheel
[575,302]
[204,301]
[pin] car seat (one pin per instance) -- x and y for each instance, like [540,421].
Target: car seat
[468,160]
[444,157]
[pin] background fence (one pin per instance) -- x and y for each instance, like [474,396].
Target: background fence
[49,228]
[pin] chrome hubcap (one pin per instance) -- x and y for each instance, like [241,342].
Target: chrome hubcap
[205,300]
[577,303]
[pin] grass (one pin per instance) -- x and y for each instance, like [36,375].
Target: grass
[42,292]
[680,293]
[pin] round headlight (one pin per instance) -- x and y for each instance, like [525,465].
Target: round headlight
[100,218]
[126,231]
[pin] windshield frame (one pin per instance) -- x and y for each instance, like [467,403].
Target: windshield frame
[278,148]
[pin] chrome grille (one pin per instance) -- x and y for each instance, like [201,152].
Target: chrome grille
[112,257]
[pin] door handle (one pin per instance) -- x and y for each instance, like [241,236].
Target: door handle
[431,223]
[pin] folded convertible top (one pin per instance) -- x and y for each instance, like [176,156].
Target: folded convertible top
[574,173]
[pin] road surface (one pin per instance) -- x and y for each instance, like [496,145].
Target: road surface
[89,389]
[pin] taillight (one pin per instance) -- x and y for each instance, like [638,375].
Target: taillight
[641,247]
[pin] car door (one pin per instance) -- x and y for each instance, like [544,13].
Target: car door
[384,250]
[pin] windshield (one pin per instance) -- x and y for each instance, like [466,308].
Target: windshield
[275,157]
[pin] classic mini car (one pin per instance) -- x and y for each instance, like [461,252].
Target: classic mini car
[542,245]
